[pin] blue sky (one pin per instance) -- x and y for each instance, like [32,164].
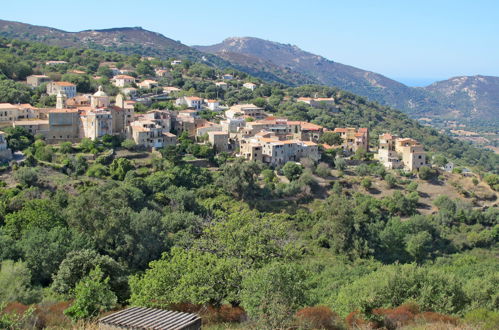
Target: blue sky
[415,41]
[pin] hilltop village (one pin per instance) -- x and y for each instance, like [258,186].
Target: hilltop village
[169,183]
[244,130]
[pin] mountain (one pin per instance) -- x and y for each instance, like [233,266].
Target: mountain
[136,40]
[127,40]
[288,57]
[465,98]
[468,97]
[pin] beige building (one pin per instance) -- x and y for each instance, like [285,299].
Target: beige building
[37,79]
[397,152]
[222,85]
[277,152]
[35,126]
[245,110]
[219,140]
[354,139]
[123,80]
[96,123]
[147,133]
[99,99]
[148,84]
[10,112]
[63,87]
[63,125]
[250,85]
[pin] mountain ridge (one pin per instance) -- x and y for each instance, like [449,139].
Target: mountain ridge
[433,99]
[286,64]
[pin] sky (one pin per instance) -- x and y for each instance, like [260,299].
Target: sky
[413,41]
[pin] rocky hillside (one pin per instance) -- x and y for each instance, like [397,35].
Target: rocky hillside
[461,98]
[466,98]
[127,40]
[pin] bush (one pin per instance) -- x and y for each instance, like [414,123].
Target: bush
[129,144]
[391,181]
[366,183]
[318,317]
[426,173]
[27,176]
[292,170]
[323,170]
[92,296]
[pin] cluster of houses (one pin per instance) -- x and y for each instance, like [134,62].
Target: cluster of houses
[246,130]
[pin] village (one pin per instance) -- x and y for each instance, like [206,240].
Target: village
[244,130]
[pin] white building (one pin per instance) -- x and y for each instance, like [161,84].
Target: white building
[123,80]
[63,87]
[245,110]
[250,85]
[213,105]
[190,101]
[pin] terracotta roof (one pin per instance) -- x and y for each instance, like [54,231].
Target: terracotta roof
[7,106]
[386,136]
[363,130]
[340,130]
[309,143]
[64,83]
[304,99]
[193,98]
[310,126]
[123,76]
[63,110]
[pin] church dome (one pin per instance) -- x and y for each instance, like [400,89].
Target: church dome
[100,92]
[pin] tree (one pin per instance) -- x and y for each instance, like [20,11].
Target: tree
[331,138]
[65,147]
[187,276]
[129,144]
[419,245]
[18,138]
[366,183]
[292,170]
[56,242]
[119,167]
[27,176]
[272,294]
[78,264]
[426,173]
[394,285]
[323,170]
[239,178]
[340,163]
[391,181]
[92,296]
[15,283]
[439,160]
[14,92]
[98,171]
[36,213]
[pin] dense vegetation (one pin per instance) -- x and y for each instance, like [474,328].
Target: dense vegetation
[283,246]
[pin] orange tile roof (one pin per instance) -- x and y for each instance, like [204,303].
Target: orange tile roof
[193,98]
[123,76]
[363,130]
[64,83]
[386,136]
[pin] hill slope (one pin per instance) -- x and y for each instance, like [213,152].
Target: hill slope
[470,98]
